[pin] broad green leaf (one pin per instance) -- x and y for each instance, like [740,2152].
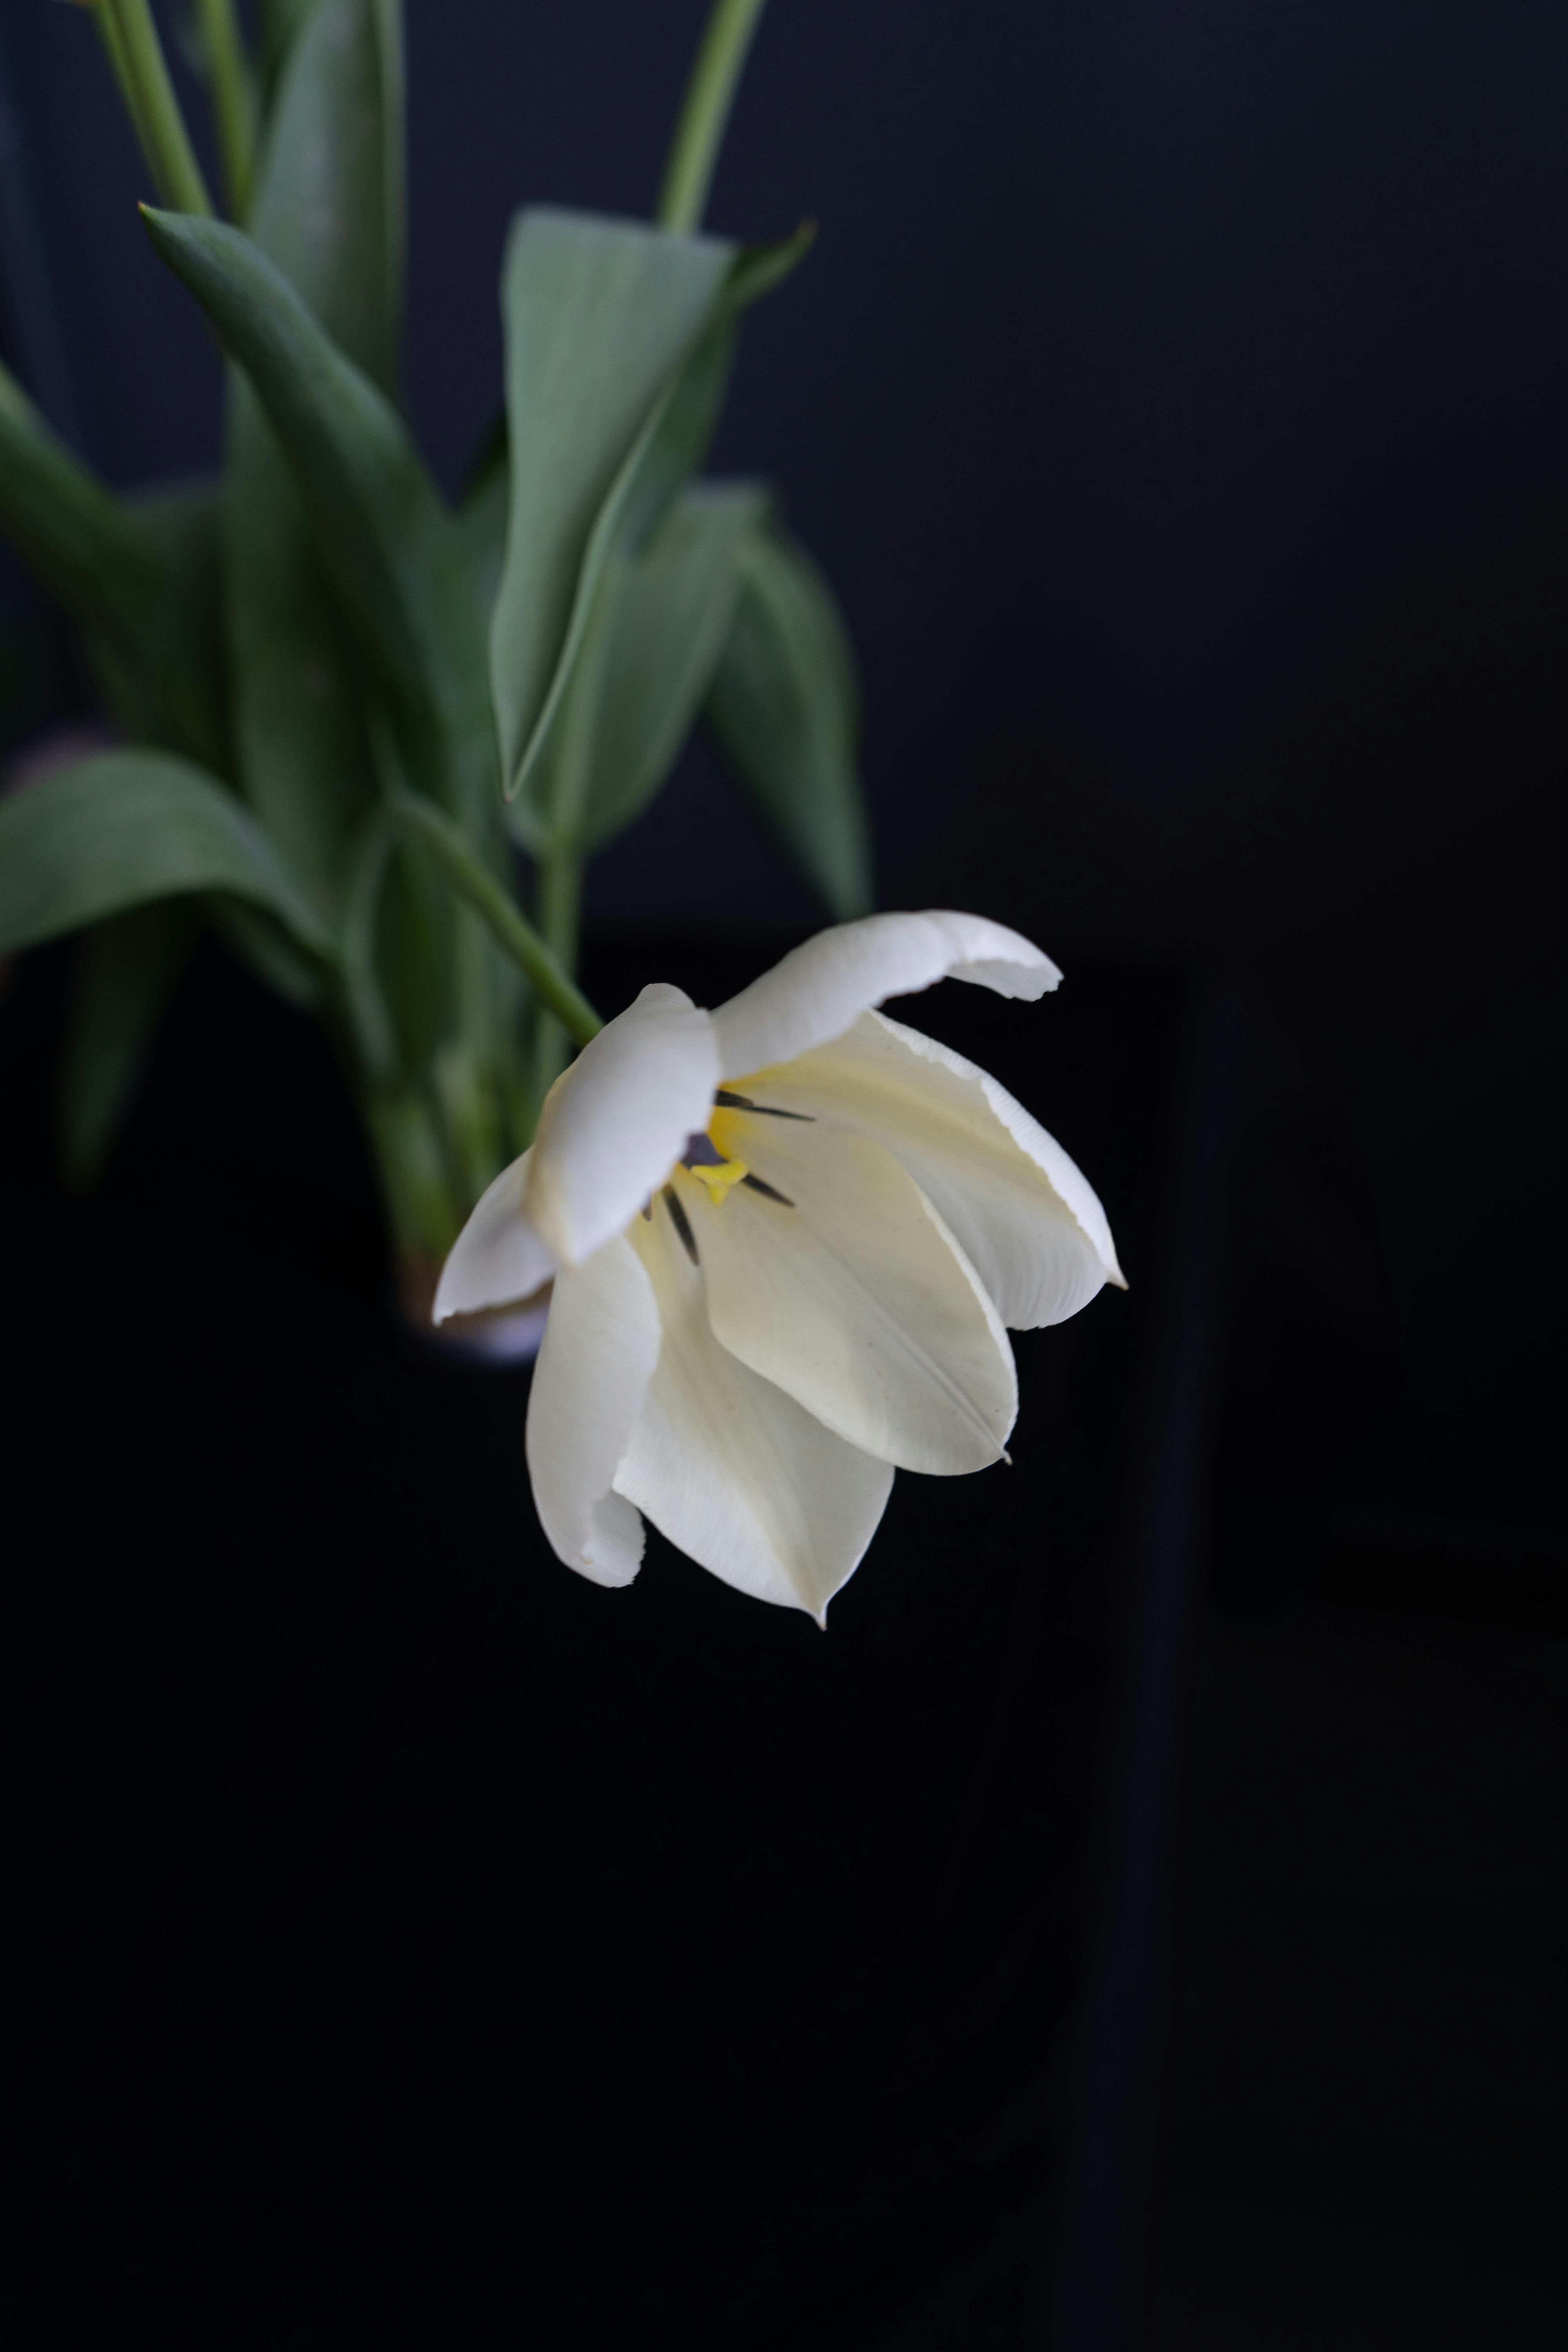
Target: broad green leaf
[125,972]
[328,205]
[393,553]
[600,317]
[115,832]
[660,624]
[783,714]
[665,453]
[103,566]
[183,521]
[280,23]
[327,213]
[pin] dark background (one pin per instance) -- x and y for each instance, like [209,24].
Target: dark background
[1176,396]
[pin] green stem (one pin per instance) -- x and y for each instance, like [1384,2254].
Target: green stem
[234,99]
[103,17]
[136,55]
[705,111]
[512,932]
[559,920]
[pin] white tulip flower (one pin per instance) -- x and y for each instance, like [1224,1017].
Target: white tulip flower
[786,1239]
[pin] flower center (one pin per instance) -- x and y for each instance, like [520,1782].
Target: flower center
[710,1157]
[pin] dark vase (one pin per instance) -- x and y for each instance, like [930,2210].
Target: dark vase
[417,1947]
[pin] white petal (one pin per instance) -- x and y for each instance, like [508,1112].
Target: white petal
[614,1124]
[596,1359]
[498,1255]
[732,1469]
[1026,1217]
[855,1298]
[819,988]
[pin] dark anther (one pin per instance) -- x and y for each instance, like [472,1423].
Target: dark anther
[701,1153]
[727,1101]
[678,1219]
[756,1184]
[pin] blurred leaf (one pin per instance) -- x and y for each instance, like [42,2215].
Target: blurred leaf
[368,1010]
[393,553]
[327,213]
[600,317]
[184,521]
[784,716]
[660,624]
[115,832]
[415,924]
[481,519]
[125,974]
[103,566]
[260,941]
[328,205]
[280,23]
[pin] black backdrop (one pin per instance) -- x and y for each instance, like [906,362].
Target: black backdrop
[1176,396]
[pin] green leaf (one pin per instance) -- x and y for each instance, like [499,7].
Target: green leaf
[660,624]
[183,521]
[328,205]
[784,716]
[672,446]
[600,317]
[125,974]
[104,568]
[327,213]
[280,23]
[115,832]
[481,519]
[374,1035]
[393,553]
[665,455]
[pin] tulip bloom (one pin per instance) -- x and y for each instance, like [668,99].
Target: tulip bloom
[786,1239]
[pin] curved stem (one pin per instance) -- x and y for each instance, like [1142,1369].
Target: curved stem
[560,912]
[705,112]
[512,932]
[136,55]
[234,99]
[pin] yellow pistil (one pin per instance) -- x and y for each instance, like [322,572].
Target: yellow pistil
[718,1182]
[725,1131]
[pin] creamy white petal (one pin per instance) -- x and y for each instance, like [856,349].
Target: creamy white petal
[614,1124]
[596,1361]
[1027,1218]
[497,1256]
[733,1471]
[813,993]
[854,1296]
